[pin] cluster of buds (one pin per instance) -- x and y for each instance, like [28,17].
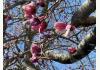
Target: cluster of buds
[37,23]
[63,28]
[39,26]
[35,51]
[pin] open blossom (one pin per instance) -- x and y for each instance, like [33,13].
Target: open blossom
[29,10]
[71,50]
[35,51]
[35,28]
[41,3]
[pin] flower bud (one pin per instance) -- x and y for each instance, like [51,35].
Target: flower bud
[29,9]
[71,50]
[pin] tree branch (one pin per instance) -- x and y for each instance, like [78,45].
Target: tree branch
[81,16]
[84,48]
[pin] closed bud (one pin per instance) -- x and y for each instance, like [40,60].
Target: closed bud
[71,50]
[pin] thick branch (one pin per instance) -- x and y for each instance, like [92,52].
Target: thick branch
[81,16]
[29,65]
[84,48]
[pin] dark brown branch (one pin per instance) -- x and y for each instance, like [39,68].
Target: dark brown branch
[81,16]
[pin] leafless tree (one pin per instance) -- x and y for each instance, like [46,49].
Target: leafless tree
[18,37]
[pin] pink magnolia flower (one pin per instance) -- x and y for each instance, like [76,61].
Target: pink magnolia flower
[34,59]
[35,51]
[71,27]
[72,50]
[40,27]
[34,21]
[59,26]
[62,28]
[41,3]
[35,48]
[42,17]
[29,9]
[27,15]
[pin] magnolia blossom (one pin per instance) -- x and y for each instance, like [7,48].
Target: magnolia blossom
[40,27]
[63,28]
[60,27]
[33,21]
[35,51]
[35,28]
[34,58]
[42,17]
[29,10]
[71,50]
[41,3]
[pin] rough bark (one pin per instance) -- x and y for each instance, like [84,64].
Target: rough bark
[84,48]
[81,16]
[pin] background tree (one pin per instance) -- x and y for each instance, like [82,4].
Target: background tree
[76,51]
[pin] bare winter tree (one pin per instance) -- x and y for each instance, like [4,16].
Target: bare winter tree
[76,51]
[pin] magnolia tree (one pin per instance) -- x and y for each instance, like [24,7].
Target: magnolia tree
[49,34]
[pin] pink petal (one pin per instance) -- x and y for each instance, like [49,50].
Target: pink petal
[59,26]
[42,17]
[42,27]
[29,9]
[68,26]
[71,27]
[36,48]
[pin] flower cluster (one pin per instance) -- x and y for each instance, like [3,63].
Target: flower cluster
[37,23]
